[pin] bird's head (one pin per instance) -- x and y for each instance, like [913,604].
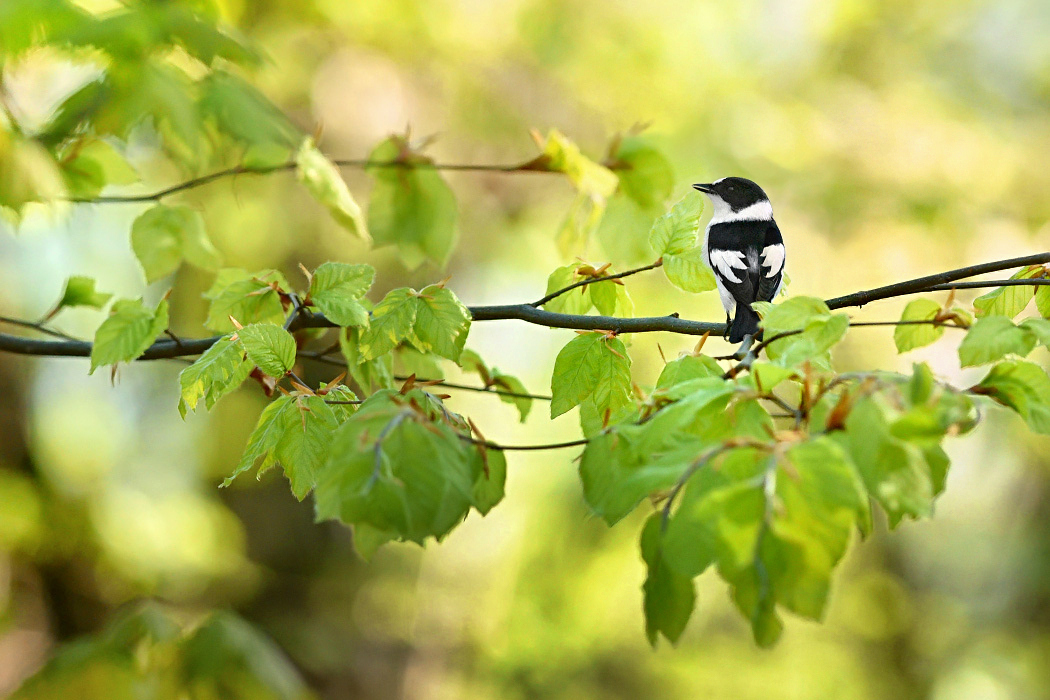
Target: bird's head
[734,195]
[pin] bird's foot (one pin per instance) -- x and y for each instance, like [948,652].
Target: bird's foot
[743,354]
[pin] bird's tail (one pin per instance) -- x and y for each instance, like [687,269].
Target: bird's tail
[744,323]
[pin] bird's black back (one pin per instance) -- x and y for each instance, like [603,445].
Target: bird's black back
[750,237]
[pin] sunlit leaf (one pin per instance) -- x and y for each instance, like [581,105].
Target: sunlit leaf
[129,330]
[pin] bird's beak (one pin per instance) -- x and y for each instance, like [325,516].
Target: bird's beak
[704,187]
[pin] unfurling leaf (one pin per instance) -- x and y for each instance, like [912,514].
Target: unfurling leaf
[1011,300]
[246,297]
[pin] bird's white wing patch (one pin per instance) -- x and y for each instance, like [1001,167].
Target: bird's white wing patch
[773,258]
[725,260]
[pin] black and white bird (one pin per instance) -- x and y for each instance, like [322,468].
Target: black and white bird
[745,250]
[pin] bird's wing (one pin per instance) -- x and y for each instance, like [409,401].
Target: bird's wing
[772,264]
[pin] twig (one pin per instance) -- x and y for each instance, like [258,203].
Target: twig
[156,196]
[523,448]
[36,326]
[939,280]
[591,280]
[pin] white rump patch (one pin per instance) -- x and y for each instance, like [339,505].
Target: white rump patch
[725,260]
[773,258]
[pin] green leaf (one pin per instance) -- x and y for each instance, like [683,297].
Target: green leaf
[322,179]
[441,323]
[669,596]
[392,321]
[1039,328]
[675,231]
[295,432]
[688,367]
[337,288]
[91,165]
[645,174]
[221,369]
[243,113]
[821,330]
[1022,386]
[269,347]
[246,297]
[894,471]
[490,481]
[577,302]
[163,236]
[1008,301]
[991,338]
[130,329]
[591,364]
[369,374]
[506,382]
[1042,300]
[689,271]
[911,336]
[412,206]
[397,471]
[28,173]
[80,291]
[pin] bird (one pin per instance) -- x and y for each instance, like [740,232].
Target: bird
[744,248]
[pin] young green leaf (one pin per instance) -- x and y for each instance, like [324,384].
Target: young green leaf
[163,236]
[645,174]
[246,297]
[337,288]
[991,338]
[295,432]
[914,335]
[490,480]
[1008,301]
[1022,386]
[412,207]
[221,369]
[675,231]
[689,271]
[669,596]
[392,321]
[130,329]
[577,301]
[80,291]
[269,347]
[591,364]
[93,164]
[441,323]
[322,179]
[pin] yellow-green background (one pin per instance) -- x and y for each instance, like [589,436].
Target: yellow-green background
[894,138]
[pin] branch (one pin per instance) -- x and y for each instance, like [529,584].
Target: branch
[937,282]
[523,448]
[163,349]
[156,196]
[592,280]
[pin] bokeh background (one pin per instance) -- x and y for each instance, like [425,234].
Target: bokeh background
[896,138]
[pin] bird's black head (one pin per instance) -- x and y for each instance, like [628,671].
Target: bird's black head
[737,192]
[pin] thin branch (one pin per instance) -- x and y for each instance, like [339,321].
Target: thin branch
[36,326]
[530,314]
[322,357]
[591,280]
[928,283]
[522,448]
[156,196]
